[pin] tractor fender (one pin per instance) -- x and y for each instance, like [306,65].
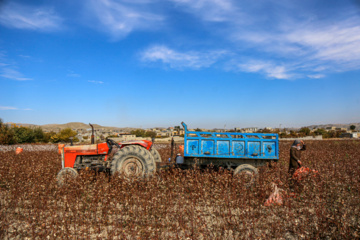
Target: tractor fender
[143,143]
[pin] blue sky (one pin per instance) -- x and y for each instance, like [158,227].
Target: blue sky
[151,63]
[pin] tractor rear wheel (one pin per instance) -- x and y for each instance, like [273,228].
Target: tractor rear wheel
[155,154]
[246,173]
[66,175]
[133,161]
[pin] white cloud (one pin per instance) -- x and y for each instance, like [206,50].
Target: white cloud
[13,74]
[14,15]
[210,10]
[14,108]
[7,108]
[179,60]
[312,41]
[25,56]
[75,75]
[96,82]
[269,69]
[316,76]
[120,18]
[337,44]
[328,45]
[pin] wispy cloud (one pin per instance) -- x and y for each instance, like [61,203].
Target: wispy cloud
[210,10]
[73,74]
[14,15]
[316,76]
[308,49]
[119,18]
[7,108]
[25,56]
[96,82]
[336,43]
[281,31]
[13,74]
[271,70]
[14,108]
[179,60]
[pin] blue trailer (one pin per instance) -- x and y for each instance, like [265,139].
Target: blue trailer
[242,152]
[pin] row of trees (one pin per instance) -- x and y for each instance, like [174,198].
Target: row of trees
[143,133]
[18,134]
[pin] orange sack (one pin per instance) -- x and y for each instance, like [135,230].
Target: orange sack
[275,197]
[181,149]
[302,173]
[18,150]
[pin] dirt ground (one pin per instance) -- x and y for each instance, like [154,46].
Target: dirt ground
[177,204]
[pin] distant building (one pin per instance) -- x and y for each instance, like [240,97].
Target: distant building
[249,130]
[350,135]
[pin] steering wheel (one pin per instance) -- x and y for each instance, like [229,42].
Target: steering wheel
[112,142]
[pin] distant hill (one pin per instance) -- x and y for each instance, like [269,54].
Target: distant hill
[72,125]
[340,125]
[83,126]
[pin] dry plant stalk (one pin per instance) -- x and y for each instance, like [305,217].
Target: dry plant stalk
[175,204]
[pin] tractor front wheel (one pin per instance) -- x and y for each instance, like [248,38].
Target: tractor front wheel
[66,175]
[133,161]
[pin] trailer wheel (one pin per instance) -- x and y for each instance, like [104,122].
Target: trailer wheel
[66,175]
[247,173]
[133,161]
[155,154]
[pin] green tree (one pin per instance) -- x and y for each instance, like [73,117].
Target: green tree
[39,135]
[305,131]
[24,134]
[330,134]
[138,132]
[64,136]
[352,127]
[197,130]
[7,135]
[293,133]
[320,131]
[150,134]
[283,135]
[48,136]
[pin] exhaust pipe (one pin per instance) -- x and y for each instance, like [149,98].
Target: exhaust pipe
[172,149]
[92,134]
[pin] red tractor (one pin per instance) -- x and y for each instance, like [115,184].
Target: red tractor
[130,158]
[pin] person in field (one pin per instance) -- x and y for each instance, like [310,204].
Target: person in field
[295,155]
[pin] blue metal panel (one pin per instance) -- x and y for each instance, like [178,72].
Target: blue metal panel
[269,149]
[231,145]
[253,148]
[207,147]
[192,147]
[223,147]
[238,148]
